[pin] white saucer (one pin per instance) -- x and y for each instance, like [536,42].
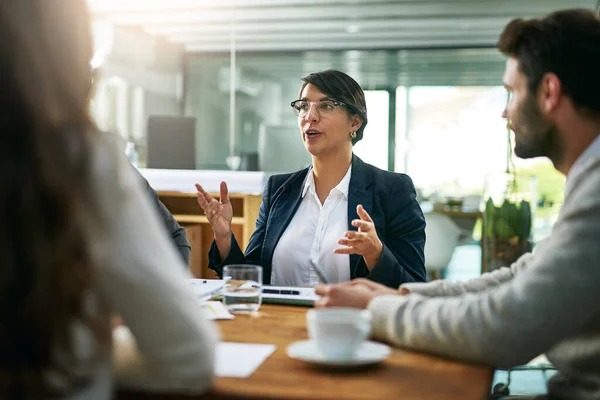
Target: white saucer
[367,353]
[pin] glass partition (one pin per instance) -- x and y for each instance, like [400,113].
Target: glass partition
[265,84]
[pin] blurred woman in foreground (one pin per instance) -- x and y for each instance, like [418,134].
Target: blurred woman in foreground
[72,251]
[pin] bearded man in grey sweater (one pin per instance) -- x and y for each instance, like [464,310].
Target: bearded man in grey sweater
[549,301]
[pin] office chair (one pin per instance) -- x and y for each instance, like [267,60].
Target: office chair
[502,390]
[442,236]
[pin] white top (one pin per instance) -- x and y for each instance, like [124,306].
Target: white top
[168,344]
[313,234]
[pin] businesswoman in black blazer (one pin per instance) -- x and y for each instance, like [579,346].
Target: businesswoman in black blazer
[349,218]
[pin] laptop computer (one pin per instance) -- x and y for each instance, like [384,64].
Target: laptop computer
[291,295]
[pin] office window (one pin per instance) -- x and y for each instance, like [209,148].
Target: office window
[265,84]
[402,145]
[455,138]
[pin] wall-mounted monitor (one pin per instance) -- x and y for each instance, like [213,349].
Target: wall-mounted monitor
[171,142]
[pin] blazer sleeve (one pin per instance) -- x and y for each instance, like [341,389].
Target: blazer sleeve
[254,248]
[402,259]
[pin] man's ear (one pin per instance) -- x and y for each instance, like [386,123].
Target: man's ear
[549,92]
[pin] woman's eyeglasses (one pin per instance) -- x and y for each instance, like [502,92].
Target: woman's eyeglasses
[323,107]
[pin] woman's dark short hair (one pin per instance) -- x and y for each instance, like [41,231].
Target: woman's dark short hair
[341,87]
[566,43]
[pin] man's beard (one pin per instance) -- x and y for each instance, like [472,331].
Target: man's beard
[534,135]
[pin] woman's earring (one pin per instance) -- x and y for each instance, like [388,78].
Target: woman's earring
[353,135]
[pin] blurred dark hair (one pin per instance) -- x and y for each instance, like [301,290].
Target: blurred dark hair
[45,260]
[565,42]
[341,87]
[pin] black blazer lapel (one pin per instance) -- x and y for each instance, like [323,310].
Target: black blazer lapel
[285,203]
[358,193]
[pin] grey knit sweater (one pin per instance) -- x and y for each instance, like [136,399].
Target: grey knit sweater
[546,302]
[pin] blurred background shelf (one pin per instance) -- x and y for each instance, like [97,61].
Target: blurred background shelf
[187,212]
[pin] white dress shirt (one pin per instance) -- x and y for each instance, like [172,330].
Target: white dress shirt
[313,234]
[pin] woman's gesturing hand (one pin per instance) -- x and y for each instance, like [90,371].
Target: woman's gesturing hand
[364,241]
[218,212]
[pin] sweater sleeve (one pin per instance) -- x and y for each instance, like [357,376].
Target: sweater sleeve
[510,324]
[442,287]
[168,344]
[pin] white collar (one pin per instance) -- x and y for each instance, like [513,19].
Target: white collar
[341,187]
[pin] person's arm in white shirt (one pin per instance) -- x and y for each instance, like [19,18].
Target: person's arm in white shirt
[143,280]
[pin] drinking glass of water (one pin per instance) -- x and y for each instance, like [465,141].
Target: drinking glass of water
[243,287]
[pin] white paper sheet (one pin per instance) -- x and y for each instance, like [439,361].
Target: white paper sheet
[215,310]
[206,288]
[240,360]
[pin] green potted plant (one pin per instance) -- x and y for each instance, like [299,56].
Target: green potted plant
[507,230]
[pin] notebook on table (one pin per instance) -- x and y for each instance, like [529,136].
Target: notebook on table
[205,289]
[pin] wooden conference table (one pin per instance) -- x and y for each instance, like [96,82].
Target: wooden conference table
[405,374]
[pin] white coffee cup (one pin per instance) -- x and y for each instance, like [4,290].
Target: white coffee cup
[337,331]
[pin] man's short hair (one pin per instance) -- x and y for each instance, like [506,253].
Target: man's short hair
[567,43]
